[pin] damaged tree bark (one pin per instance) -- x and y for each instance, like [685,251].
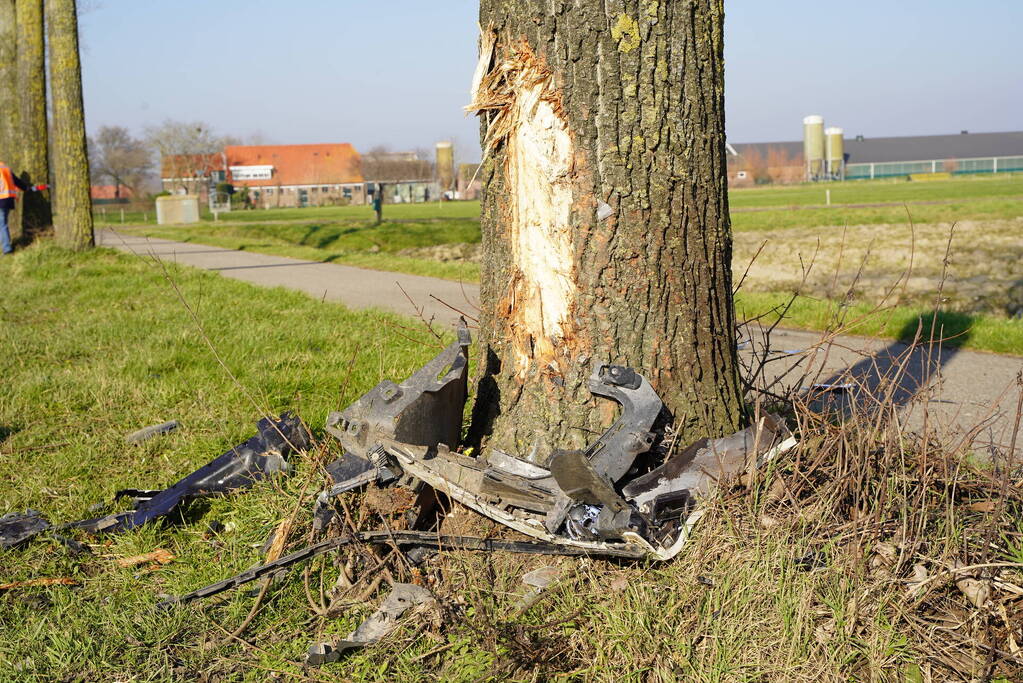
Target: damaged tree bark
[605,224]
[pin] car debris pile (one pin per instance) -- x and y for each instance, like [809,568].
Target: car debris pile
[624,495]
[595,499]
[240,467]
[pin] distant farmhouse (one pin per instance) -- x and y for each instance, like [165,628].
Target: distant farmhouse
[297,175]
[111,194]
[302,175]
[192,173]
[865,157]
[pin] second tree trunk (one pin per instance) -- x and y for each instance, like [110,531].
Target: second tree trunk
[72,219]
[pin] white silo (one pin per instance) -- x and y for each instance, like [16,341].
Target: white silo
[445,166]
[834,153]
[813,146]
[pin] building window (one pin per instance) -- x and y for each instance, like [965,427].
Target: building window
[269,190]
[324,189]
[347,192]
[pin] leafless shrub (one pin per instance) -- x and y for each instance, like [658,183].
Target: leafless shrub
[929,530]
[380,164]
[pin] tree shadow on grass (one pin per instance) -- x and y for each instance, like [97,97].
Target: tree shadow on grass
[314,238]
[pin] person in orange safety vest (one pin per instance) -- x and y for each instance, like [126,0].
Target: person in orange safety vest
[10,184]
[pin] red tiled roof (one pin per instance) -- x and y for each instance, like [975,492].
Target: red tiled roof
[190,165]
[299,164]
[110,192]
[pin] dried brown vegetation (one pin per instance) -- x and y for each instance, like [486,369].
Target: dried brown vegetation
[983,268]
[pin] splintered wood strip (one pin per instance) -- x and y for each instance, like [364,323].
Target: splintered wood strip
[159,556]
[45,581]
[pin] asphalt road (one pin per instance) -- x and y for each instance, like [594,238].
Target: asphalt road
[357,288]
[945,391]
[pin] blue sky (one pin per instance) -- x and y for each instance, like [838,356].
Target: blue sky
[397,72]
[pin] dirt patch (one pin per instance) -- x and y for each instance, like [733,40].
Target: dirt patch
[461,252]
[984,271]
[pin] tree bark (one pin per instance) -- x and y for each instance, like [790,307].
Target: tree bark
[72,219]
[34,165]
[9,147]
[606,235]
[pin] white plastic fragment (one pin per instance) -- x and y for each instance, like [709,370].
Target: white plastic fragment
[147,433]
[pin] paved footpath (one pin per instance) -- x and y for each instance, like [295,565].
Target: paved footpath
[966,387]
[354,287]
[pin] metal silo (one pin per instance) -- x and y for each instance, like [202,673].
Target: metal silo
[834,153]
[813,146]
[445,166]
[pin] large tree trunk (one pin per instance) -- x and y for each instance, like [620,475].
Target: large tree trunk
[9,147]
[72,219]
[605,219]
[34,165]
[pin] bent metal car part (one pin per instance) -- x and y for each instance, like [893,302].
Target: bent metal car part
[425,409]
[17,528]
[589,502]
[592,499]
[241,466]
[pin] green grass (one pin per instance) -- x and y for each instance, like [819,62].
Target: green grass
[349,242]
[839,216]
[890,190]
[98,345]
[871,191]
[423,211]
[347,235]
[111,214]
[959,330]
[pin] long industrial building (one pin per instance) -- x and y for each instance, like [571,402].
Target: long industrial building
[864,157]
[279,176]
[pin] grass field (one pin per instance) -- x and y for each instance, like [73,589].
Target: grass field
[99,344]
[858,252]
[958,330]
[839,216]
[350,242]
[111,215]
[894,191]
[875,191]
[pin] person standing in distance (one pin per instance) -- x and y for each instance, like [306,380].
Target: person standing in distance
[10,184]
